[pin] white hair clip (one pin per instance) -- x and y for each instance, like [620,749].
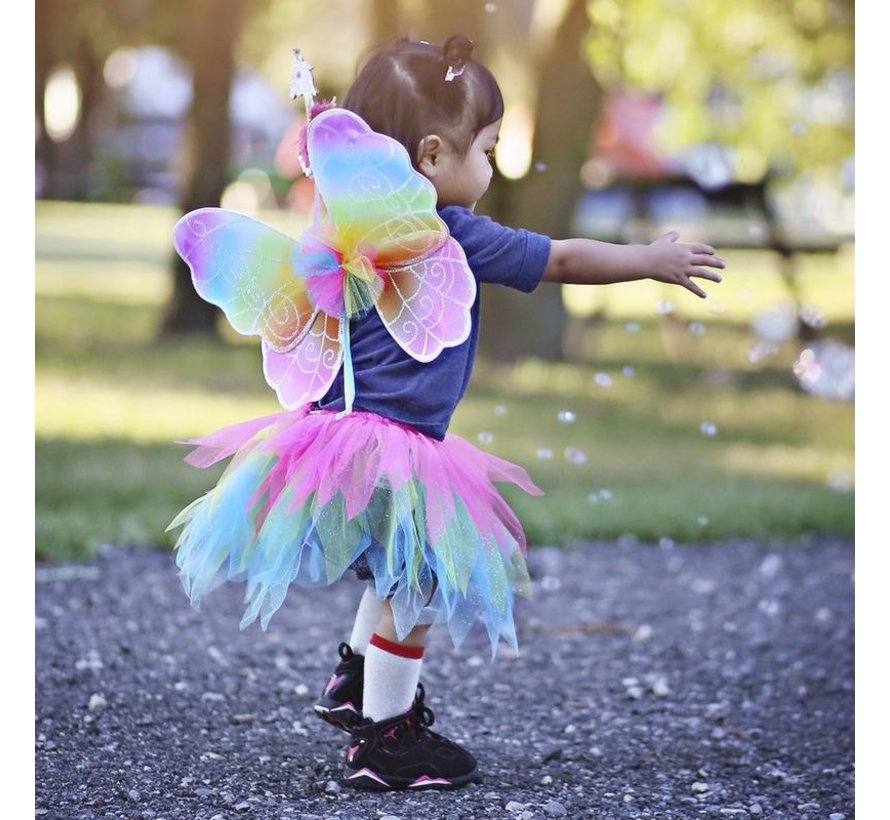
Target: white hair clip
[454,71]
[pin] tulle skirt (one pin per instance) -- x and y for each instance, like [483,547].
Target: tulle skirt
[309,495]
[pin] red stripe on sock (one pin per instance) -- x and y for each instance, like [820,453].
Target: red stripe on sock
[414,652]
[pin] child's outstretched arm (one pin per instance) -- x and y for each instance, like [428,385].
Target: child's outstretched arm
[590,262]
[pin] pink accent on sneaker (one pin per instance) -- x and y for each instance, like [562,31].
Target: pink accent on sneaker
[392,732]
[429,781]
[333,682]
[367,773]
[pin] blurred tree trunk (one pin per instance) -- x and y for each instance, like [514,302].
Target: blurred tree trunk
[213,29]
[43,63]
[568,103]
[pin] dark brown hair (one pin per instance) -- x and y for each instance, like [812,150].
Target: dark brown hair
[401,91]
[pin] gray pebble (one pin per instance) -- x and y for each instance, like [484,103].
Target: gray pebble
[332,787]
[555,809]
[837,815]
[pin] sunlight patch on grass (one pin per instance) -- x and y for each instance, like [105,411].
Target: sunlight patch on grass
[84,409]
[788,462]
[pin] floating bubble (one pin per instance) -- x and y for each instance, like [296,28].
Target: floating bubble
[756,229]
[540,167]
[841,481]
[663,308]
[761,351]
[812,316]
[593,498]
[697,329]
[717,308]
[544,453]
[566,417]
[485,437]
[798,129]
[575,456]
[632,327]
[745,295]
[628,371]
[500,409]
[775,326]
[708,428]
[666,543]
[605,495]
[491,8]
[702,521]
[827,369]
[603,380]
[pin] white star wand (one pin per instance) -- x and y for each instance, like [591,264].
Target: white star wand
[302,84]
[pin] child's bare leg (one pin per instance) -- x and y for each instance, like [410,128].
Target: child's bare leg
[392,668]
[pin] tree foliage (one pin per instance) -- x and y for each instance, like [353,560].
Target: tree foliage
[773,79]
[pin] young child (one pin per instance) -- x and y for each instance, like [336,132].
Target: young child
[365,477]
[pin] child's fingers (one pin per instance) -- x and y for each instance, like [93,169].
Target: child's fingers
[704,273]
[710,261]
[700,247]
[690,285]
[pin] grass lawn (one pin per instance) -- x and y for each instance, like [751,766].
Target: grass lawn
[633,460]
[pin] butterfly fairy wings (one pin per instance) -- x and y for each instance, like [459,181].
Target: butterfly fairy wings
[375,241]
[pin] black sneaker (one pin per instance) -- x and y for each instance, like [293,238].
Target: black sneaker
[341,702]
[402,753]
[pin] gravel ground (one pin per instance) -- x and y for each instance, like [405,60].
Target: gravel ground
[670,681]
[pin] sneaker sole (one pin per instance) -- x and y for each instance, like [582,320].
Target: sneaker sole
[373,781]
[343,716]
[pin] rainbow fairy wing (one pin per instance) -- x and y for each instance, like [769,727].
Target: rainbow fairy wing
[258,277]
[306,372]
[246,268]
[378,206]
[426,305]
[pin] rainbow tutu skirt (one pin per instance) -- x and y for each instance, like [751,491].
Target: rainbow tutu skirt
[308,495]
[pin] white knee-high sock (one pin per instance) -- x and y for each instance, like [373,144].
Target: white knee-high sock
[366,619]
[391,675]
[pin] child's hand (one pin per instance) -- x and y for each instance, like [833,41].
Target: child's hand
[674,263]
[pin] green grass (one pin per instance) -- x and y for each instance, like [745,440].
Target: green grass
[111,399]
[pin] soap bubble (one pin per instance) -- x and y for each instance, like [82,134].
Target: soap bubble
[628,371]
[500,409]
[812,316]
[603,380]
[702,521]
[841,481]
[697,328]
[665,307]
[632,327]
[666,543]
[775,326]
[605,495]
[760,351]
[566,417]
[485,437]
[540,167]
[491,8]
[593,498]
[544,453]
[827,369]
[575,456]
[708,428]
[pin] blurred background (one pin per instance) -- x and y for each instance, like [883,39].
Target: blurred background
[644,412]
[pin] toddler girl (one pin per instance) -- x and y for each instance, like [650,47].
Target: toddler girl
[366,477]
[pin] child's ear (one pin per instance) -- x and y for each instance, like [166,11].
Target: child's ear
[429,150]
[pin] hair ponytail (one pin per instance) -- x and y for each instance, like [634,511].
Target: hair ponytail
[413,88]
